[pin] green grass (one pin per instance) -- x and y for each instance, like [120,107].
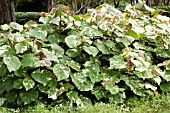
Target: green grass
[157,104]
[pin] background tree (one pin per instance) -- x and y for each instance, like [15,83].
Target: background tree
[51,4]
[7,11]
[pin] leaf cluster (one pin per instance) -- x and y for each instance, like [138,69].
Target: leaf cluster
[80,59]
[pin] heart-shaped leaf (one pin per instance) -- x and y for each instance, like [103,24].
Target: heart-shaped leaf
[73,41]
[91,50]
[62,72]
[28,83]
[13,63]
[42,77]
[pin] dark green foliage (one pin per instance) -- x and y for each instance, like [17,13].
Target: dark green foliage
[30,5]
[23,17]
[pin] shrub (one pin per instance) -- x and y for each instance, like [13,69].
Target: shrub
[23,17]
[104,55]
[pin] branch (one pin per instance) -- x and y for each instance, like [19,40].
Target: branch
[82,6]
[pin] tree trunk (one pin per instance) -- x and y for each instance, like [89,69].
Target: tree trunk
[7,11]
[51,4]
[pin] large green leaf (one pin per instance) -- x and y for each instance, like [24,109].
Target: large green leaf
[84,101]
[109,43]
[72,95]
[150,32]
[124,40]
[91,31]
[62,72]
[73,41]
[13,63]
[31,24]
[55,21]
[99,92]
[81,82]
[91,50]
[133,34]
[38,33]
[11,96]
[117,62]
[29,60]
[117,98]
[68,86]
[114,89]
[6,84]
[28,83]
[73,52]
[136,85]
[45,20]
[20,47]
[50,55]
[74,65]
[16,26]
[29,96]
[42,77]
[93,73]
[102,47]
[165,87]
[6,50]
[18,84]
[58,49]
[77,17]
[56,38]
[52,93]
[144,74]
[135,28]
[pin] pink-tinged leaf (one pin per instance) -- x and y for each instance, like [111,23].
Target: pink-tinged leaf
[46,62]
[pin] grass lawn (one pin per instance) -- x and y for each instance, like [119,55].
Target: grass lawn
[157,104]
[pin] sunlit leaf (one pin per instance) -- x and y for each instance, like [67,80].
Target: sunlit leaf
[50,55]
[117,62]
[72,95]
[74,65]
[28,83]
[62,72]
[73,41]
[20,47]
[81,82]
[16,26]
[91,50]
[13,63]
[38,33]
[102,47]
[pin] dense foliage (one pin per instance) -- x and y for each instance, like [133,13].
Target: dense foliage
[30,5]
[23,17]
[104,55]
